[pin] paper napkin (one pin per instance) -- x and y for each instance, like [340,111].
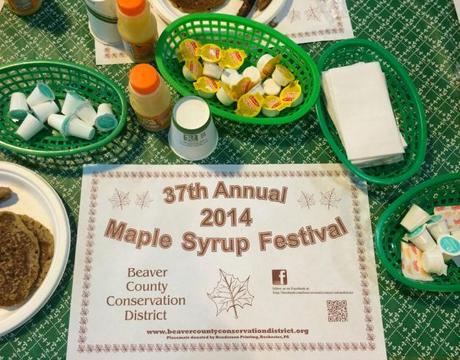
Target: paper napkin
[360,107]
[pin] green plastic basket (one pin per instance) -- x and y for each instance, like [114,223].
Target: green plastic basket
[440,191]
[60,76]
[256,39]
[406,103]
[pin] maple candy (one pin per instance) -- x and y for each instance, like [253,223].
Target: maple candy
[224,95]
[210,53]
[292,94]
[272,106]
[207,87]
[188,49]
[282,75]
[250,105]
[192,69]
[232,58]
[241,88]
[266,64]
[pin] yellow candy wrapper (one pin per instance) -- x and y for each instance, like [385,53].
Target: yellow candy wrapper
[232,58]
[241,88]
[188,49]
[192,69]
[292,95]
[206,86]
[211,53]
[272,106]
[282,75]
[249,105]
[269,67]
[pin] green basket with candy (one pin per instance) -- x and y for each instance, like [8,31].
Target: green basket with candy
[255,40]
[61,77]
[440,191]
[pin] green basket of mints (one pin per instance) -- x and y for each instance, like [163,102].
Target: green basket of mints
[55,108]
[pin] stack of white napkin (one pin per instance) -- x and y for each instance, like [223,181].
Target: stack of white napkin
[359,105]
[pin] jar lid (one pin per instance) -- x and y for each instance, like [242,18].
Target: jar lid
[144,79]
[131,7]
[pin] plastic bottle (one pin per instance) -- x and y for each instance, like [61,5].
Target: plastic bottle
[150,97]
[24,7]
[137,28]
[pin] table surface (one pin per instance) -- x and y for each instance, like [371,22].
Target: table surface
[423,34]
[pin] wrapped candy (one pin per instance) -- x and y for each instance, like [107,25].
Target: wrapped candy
[232,58]
[292,94]
[249,105]
[192,69]
[211,53]
[188,49]
[207,87]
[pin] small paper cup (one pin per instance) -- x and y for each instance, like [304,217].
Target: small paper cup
[72,102]
[437,226]
[80,129]
[192,137]
[29,127]
[433,262]
[44,110]
[40,94]
[18,106]
[60,123]
[105,120]
[87,113]
[421,238]
[414,218]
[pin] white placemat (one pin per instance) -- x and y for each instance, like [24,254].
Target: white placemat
[246,262]
[314,20]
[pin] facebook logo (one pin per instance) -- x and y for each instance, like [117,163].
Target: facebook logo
[279,277]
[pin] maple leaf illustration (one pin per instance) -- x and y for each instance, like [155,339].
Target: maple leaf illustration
[329,199]
[120,199]
[306,200]
[143,200]
[230,292]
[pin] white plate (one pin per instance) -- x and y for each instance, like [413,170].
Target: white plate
[36,198]
[169,13]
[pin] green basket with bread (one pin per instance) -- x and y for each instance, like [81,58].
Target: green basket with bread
[246,71]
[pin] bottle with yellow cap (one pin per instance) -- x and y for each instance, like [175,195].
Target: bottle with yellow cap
[138,29]
[24,7]
[150,98]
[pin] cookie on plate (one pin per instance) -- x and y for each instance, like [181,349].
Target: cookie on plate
[19,259]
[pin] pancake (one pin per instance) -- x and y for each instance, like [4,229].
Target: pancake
[46,244]
[191,6]
[19,259]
